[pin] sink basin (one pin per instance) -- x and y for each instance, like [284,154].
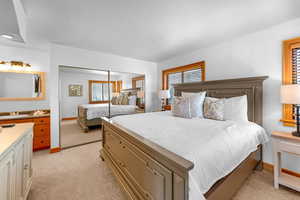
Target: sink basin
[14,116]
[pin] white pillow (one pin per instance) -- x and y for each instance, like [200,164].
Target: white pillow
[196,103]
[236,108]
[132,100]
[188,94]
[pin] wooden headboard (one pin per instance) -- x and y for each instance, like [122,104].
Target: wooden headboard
[130,91]
[252,87]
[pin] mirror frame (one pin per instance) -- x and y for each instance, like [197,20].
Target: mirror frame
[43,87]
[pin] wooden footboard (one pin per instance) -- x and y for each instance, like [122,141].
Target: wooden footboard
[144,169]
[148,171]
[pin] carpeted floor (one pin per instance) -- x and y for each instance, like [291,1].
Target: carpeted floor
[79,174]
[72,134]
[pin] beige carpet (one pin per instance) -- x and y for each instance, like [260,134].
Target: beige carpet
[79,174]
[72,134]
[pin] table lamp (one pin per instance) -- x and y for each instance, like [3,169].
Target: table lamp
[164,95]
[290,94]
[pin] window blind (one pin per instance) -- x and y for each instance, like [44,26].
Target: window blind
[296,70]
[100,91]
[296,65]
[192,75]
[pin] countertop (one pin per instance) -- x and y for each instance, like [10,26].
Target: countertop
[10,136]
[22,116]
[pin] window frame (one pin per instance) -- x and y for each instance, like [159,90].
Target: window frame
[287,78]
[193,66]
[90,90]
[138,78]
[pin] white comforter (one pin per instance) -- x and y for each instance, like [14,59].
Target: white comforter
[101,110]
[215,147]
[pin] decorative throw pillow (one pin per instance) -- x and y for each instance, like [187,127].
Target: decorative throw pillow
[119,100]
[214,108]
[125,100]
[236,108]
[181,107]
[196,104]
[114,101]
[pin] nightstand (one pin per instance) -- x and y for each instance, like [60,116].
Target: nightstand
[167,107]
[285,142]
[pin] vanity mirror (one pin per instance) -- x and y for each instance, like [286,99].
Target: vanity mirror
[22,85]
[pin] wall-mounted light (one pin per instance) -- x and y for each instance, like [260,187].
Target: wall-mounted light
[15,63]
[7,36]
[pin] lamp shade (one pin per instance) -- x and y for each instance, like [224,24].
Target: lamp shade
[164,94]
[290,94]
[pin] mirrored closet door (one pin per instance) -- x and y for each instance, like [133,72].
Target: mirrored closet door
[86,95]
[84,98]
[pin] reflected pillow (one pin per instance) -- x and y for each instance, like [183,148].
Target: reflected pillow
[125,100]
[114,100]
[132,100]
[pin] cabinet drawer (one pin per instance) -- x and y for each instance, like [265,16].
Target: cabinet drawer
[42,120]
[41,142]
[41,131]
[150,179]
[289,147]
[16,121]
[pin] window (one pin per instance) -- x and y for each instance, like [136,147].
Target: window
[138,82]
[99,91]
[183,74]
[291,74]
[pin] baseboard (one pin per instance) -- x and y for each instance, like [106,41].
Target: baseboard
[270,168]
[55,150]
[69,118]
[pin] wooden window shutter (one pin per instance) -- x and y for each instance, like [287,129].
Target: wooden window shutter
[291,74]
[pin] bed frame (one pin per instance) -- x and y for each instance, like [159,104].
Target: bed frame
[85,123]
[146,171]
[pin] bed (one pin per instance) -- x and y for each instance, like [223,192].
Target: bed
[148,168]
[90,114]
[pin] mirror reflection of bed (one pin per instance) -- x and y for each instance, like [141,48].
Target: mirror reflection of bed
[87,95]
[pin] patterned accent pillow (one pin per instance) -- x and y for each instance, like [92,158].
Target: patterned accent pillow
[214,108]
[119,100]
[181,107]
[125,100]
[114,100]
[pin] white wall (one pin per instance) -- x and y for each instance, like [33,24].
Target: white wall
[39,59]
[255,54]
[68,103]
[68,56]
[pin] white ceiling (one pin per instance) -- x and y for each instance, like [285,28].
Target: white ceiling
[151,30]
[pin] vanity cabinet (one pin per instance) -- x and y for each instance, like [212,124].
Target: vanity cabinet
[41,131]
[15,162]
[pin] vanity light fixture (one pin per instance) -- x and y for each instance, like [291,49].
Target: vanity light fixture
[15,63]
[7,36]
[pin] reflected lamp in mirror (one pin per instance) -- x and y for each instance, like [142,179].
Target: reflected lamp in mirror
[164,95]
[140,94]
[290,94]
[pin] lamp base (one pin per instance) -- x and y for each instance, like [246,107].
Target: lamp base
[295,133]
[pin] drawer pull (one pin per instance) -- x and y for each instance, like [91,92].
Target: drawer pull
[124,147]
